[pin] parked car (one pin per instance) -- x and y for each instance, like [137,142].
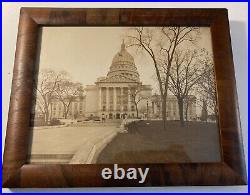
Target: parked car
[55,121]
[93,118]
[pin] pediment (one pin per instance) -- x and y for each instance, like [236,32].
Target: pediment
[116,79]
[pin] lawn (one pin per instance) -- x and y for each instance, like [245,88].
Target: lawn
[148,142]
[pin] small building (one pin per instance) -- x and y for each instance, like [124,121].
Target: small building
[172,108]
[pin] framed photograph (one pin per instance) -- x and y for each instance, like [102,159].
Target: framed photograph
[123,97]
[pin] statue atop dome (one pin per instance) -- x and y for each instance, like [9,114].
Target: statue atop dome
[123,47]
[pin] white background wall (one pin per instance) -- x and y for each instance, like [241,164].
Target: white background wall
[238,16]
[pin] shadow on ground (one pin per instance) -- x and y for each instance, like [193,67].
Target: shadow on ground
[148,142]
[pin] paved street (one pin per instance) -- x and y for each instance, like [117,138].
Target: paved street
[58,145]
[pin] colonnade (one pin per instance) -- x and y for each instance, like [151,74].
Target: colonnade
[115,99]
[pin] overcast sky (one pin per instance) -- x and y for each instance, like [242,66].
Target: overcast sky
[87,52]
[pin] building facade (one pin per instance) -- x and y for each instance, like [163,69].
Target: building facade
[76,108]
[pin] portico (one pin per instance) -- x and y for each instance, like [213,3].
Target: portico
[115,101]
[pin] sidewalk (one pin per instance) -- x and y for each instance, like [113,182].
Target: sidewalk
[60,145]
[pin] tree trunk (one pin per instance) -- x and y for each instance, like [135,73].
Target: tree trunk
[164,105]
[186,111]
[180,104]
[137,112]
[46,116]
[50,117]
[66,110]
[46,109]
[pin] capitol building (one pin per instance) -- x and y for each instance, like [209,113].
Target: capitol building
[110,97]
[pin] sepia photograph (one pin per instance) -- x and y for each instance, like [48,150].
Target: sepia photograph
[106,95]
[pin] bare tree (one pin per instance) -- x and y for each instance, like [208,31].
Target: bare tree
[207,86]
[185,74]
[136,97]
[44,90]
[164,49]
[66,92]
[40,105]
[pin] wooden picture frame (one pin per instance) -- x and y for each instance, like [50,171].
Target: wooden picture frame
[17,173]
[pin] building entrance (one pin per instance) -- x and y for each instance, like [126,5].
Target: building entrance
[117,116]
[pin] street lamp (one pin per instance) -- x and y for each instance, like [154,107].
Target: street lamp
[147,109]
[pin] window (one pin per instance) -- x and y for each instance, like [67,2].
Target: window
[104,108]
[110,116]
[133,108]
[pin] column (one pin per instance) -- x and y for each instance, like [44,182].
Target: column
[191,110]
[129,100]
[100,99]
[107,99]
[121,99]
[115,99]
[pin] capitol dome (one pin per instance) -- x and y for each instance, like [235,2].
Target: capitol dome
[123,66]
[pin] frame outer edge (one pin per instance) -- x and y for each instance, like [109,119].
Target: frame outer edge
[21,94]
[241,167]
[232,152]
[17,132]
